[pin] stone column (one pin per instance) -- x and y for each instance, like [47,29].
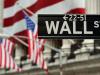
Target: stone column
[47,51]
[84,52]
[93,6]
[1,15]
[66,47]
[1,23]
[19,52]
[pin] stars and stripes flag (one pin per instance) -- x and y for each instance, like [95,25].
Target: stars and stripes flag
[14,18]
[6,60]
[35,45]
[8,45]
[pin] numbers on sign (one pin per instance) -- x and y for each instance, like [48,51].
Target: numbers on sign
[82,17]
[70,17]
[74,17]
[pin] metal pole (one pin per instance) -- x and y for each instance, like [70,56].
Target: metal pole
[53,48]
[17,37]
[60,62]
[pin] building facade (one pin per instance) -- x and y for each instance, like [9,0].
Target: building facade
[85,62]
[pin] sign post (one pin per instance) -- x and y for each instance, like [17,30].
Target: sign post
[60,63]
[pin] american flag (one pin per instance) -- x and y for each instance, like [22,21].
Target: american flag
[35,44]
[6,60]
[14,18]
[9,45]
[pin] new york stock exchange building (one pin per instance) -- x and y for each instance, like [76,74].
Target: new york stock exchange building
[62,56]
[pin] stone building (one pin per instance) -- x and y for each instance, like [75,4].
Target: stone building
[85,62]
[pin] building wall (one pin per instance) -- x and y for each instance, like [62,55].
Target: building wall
[92,6]
[1,6]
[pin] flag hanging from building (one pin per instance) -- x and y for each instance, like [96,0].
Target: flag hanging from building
[14,18]
[35,44]
[8,45]
[6,60]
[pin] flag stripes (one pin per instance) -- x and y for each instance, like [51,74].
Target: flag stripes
[9,3]
[14,18]
[35,44]
[8,45]
[14,22]
[39,57]
[6,60]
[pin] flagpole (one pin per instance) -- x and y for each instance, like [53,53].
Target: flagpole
[35,16]
[23,37]
[55,49]
[26,9]
[22,42]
